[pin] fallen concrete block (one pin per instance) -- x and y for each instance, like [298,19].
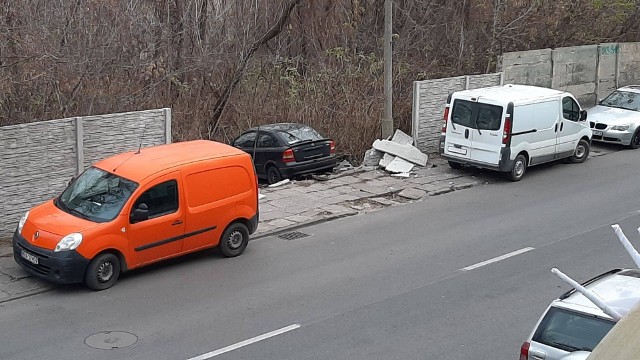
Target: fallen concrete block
[399,165]
[401,175]
[386,160]
[280,183]
[412,193]
[407,152]
[402,138]
[371,157]
[261,196]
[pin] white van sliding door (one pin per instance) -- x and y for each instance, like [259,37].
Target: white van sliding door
[537,124]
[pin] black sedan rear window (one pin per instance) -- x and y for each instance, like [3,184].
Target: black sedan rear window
[304,133]
[571,330]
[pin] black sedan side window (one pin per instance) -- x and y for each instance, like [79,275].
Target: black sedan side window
[266,141]
[245,140]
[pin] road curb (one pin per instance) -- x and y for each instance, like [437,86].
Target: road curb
[285,229]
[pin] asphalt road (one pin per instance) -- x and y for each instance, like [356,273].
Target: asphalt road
[403,283]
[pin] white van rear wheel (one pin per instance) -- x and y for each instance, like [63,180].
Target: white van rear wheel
[519,168]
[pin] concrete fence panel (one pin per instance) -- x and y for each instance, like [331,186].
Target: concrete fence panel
[629,64]
[574,71]
[527,67]
[607,72]
[38,159]
[430,98]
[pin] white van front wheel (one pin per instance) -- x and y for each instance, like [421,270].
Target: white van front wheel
[519,168]
[581,153]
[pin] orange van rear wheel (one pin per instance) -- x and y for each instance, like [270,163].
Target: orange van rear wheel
[103,271]
[234,240]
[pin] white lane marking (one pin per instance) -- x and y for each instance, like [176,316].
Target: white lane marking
[253,340]
[496,259]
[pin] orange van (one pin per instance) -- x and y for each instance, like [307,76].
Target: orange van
[137,208]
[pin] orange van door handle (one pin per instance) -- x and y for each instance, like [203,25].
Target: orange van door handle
[177,222]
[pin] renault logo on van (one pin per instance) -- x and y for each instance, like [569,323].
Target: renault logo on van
[36,235]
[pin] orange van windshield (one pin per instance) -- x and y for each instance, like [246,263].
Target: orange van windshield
[96,195]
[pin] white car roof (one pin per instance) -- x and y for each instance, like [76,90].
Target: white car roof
[631,88]
[510,92]
[619,288]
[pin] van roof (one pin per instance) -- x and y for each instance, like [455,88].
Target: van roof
[510,92]
[138,166]
[618,288]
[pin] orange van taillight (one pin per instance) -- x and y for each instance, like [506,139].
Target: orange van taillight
[524,351]
[287,156]
[332,149]
[506,133]
[445,117]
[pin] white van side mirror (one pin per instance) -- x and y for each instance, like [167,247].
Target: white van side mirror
[583,115]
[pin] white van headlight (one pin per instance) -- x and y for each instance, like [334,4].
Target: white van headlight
[623,127]
[23,220]
[69,242]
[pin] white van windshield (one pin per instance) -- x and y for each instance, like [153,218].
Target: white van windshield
[476,115]
[571,330]
[96,195]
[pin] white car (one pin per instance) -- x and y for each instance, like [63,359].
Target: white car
[572,326]
[616,119]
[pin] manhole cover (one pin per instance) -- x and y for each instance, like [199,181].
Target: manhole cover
[108,340]
[293,235]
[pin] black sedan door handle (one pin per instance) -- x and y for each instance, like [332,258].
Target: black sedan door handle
[177,222]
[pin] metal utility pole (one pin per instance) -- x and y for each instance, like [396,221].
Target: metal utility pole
[387,120]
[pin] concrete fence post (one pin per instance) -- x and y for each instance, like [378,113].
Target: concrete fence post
[79,145]
[617,73]
[466,82]
[597,87]
[552,72]
[501,78]
[167,125]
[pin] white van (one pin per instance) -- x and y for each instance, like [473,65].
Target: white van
[511,127]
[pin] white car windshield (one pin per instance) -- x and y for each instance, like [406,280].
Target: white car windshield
[623,100]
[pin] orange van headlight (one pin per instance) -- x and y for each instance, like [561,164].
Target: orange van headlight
[23,220]
[69,242]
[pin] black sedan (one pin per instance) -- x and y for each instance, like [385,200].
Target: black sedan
[287,150]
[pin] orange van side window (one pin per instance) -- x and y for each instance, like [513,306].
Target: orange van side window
[161,199]
[213,185]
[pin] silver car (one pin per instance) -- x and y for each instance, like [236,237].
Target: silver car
[616,119]
[572,325]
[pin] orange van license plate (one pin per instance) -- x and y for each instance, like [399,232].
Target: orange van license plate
[30,258]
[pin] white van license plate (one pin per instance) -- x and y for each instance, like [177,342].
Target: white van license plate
[597,133]
[456,150]
[30,258]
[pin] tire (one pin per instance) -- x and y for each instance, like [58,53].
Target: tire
[519,168]
[273,175]
[103,272]
[581,153]
[455,165]
[635,139]
[234,240]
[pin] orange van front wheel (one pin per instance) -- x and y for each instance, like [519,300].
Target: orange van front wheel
[103,271]
[234,240]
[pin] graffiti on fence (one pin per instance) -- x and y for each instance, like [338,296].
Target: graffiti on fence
[610,49]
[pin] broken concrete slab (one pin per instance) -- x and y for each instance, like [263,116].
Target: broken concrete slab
[399,165]
[401,137]
[371,157]
[407,152]
[412,193]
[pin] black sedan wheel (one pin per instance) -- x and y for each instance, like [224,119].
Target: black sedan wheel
[273,175]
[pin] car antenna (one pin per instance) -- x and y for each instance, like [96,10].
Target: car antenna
[137,152]
[144,129]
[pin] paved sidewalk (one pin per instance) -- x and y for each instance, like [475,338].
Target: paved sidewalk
[302,203]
